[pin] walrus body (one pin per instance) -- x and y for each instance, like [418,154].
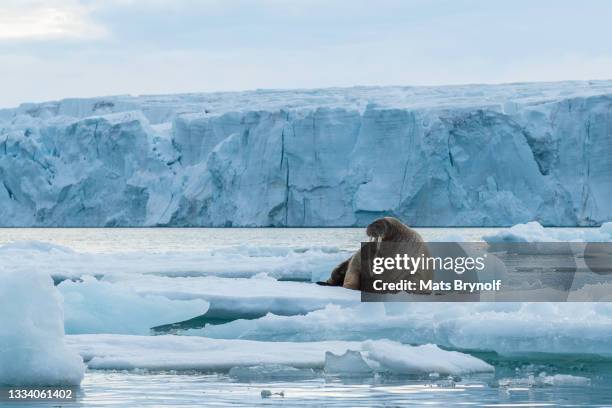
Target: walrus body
[387,229]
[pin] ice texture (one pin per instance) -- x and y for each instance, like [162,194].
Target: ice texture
[398,358]
[543,380]
[534,232]
[130,292]
[93,306]
[255,296]
[282,329]
[473,155]
[351,363]
[171,352]
[32,346]
[506,328]
[244,261]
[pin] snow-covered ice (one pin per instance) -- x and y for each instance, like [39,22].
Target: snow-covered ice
[170,352]
[507,328]
[396,358]
[133,304]
[399,359]
[131,292]
[278,323]
[257,295]
[294,263]
[32,347]
[442,156]
[534,232]
[93,306]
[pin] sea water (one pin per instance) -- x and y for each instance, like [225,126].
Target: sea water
[585,380]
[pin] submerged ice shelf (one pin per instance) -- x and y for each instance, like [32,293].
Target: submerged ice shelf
[458,155]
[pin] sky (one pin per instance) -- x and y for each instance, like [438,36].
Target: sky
[55,49]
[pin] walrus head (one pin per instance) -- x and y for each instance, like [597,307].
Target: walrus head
[385,229]
[376,230]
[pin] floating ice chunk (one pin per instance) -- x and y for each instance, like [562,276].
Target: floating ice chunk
[171,352]
[398,358]
[530,232]
[35,246]
[239,297]
[361,322]
[564,380]
[93,306]
[543,380]
[32,348]
[350,363]
[507,328]
[606,228]
[534,232]
[237,262]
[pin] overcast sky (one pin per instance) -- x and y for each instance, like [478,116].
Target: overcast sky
[54,49]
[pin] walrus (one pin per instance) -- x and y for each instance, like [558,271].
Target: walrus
[388,229]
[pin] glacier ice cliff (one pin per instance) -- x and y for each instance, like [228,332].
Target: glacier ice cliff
[473,155]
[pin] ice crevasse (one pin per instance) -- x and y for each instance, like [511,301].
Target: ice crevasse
[474,155]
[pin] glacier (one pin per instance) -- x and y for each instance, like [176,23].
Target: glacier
[470,155]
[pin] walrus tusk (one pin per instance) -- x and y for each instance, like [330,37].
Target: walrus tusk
[378,242]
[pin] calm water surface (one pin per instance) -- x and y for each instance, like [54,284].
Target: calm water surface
[193,239]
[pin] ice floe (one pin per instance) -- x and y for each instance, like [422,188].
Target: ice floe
[507,328]
[253,297]
[294,263]
[93,306]
[171,352]
[350,363]
[32,348]
[534,232]
[398,358]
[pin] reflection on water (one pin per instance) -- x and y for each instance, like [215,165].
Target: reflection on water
[123,389]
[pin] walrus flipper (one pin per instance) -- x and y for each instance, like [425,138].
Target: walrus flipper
[337,275]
